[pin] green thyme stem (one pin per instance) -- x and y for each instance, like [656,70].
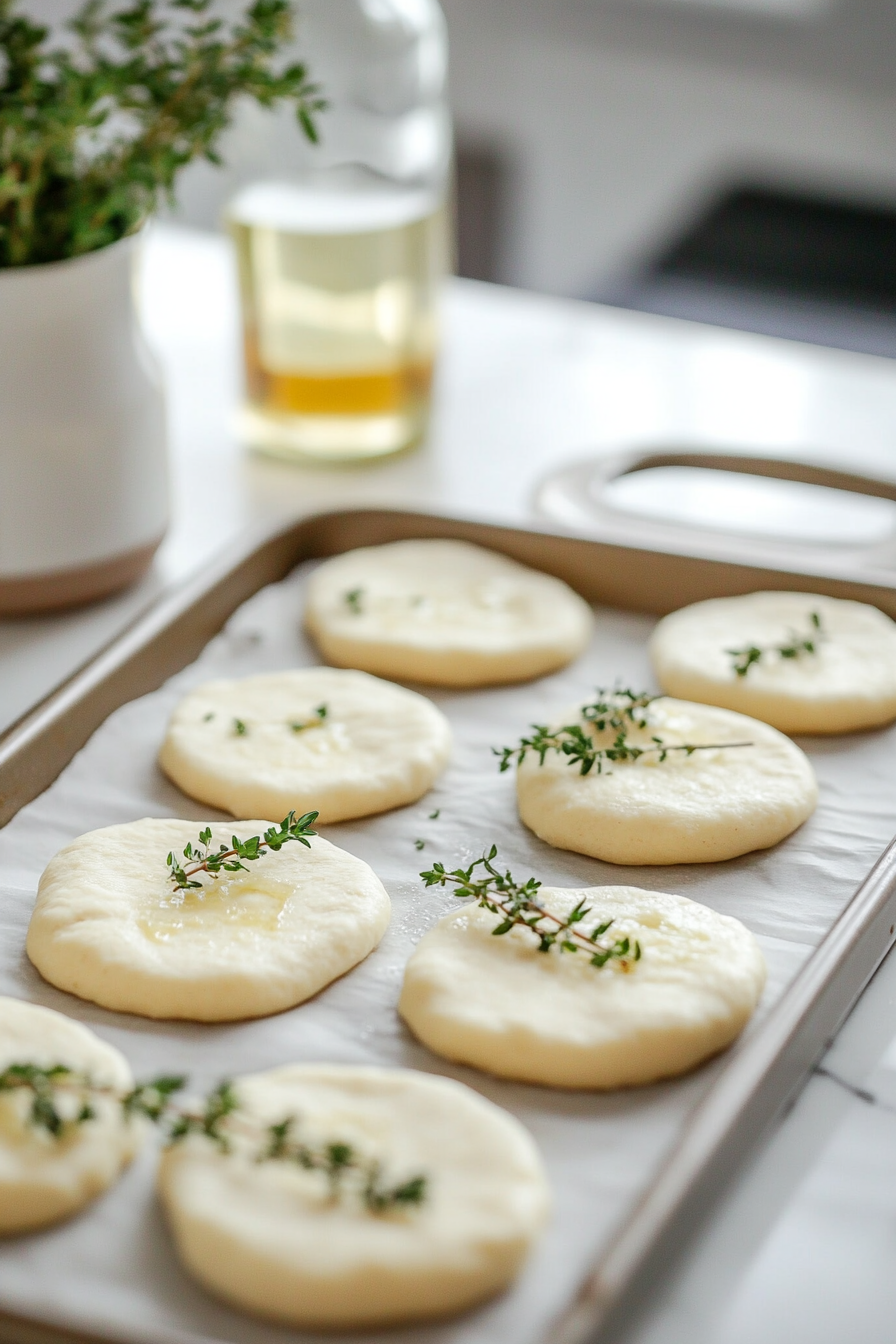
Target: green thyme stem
[96,125]
[346,1171]
[616,710]
[518,907]
[202,859]
[320,714]
[795,647]
[337,1161]
[63,1098]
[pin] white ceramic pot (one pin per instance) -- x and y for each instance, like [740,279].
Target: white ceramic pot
[83,468]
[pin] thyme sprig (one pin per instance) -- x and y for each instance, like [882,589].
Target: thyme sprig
[201,858]
[98,124]
[153,1100]
[339,1162]
[347,1172]
[614,710]
[518,907]
[794,647]
[318,717]
[220,1103]
[46,1087]
[63,1099]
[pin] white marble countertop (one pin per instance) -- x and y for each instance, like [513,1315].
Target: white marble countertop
[803,1249]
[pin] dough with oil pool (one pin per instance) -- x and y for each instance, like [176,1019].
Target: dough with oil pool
[258,747]
[553,1018]
[265,1237]
[444,612]
[702,808]
[44,1179]
[848,683]
[109,926]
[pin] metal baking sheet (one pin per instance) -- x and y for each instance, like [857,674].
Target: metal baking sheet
[631,1171]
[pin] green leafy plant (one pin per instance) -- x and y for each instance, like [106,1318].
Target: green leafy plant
[95,129]
[315,721]
[62,1099]
[339,1162]
[201,858]
[614,710]
[220,1103]
[794,647]
[517,906]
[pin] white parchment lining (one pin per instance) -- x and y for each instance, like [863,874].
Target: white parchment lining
[112,1270]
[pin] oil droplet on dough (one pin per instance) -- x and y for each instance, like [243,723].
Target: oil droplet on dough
[233,901]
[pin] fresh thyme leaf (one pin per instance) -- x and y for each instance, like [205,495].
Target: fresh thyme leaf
[239,728]
[319,715]
[380,1198]
[152,1100]
[794,647]
[219,1104]
[98,124]
[419,844]
[47,1088]
[62,1098]
[204,859]
[339,1163]
[517,906]
[207,718]
[353,600]
[434,816]
[615,710]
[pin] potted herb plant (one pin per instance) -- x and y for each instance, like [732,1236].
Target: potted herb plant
[95,125]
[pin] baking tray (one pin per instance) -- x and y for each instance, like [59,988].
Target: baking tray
[759,1077]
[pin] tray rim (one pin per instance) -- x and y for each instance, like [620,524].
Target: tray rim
[761,1076]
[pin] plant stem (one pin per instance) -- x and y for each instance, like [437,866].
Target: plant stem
[500,894]
[795,647]
[202,859]
[218,1120]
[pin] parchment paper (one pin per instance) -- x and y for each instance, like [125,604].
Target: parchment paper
[112,1270]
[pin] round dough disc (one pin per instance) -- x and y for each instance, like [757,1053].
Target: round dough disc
[109,926]
[444,612]
[553,1018]
[42,1178]
[264,1236]
[848,683]
[233,744]
[701,808]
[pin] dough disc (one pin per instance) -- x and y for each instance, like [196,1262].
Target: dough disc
[701,808]
[379,746]
[109,926]
[553,1018]
[264,1237]
[849,683]
[444,612]
[42,1178]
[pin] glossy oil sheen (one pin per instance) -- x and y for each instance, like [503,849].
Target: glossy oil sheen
[227,903]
